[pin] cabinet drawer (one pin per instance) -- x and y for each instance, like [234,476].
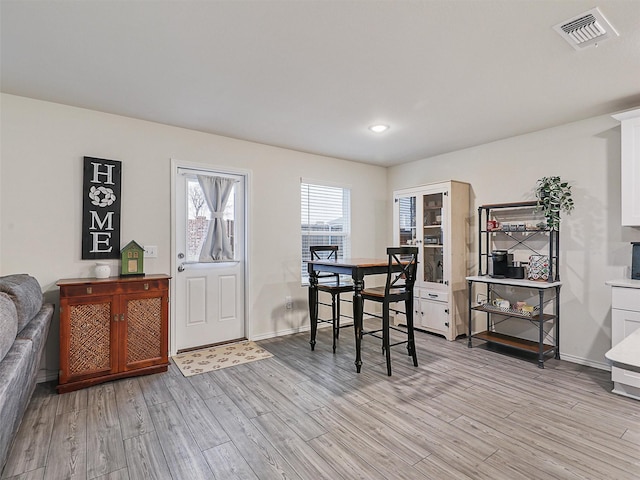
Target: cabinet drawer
[109,288]
[435,296]
[84,290]
[623,324]
[625,298]
[144,285]
[628,377]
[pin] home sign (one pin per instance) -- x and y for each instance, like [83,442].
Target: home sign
[101,190]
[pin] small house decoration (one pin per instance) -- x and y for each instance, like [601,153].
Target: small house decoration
[132,257]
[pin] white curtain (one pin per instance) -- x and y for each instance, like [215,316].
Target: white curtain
[216,191]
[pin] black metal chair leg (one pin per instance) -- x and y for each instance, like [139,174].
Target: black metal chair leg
[337,331]
[385,336]
[411,342]
[333,314]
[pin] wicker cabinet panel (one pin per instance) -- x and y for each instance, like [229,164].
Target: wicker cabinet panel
[112,328]
[144,330]
[90,338]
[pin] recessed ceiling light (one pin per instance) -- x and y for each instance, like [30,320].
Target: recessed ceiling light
[379,128]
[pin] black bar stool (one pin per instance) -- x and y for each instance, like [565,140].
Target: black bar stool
[332,284]
[401,275]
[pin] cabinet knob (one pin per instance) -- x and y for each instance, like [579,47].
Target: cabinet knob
[89,290]
[115,317]
[146,286]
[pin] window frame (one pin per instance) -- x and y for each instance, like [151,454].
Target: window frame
[344,249]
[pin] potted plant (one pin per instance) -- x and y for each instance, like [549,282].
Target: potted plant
[553,196]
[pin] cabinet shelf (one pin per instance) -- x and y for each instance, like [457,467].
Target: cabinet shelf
[514,342]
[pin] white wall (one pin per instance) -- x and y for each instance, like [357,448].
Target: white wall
[593,245]
[40,204]
[43,145]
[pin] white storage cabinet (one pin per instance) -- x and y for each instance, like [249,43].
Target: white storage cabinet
[435,218]
[630,167]
[625,319]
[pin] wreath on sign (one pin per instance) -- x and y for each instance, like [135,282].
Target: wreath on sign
[102,196]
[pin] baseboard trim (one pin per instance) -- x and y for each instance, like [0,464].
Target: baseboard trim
[281,333]
[46,375]
[290,331]
[585,361]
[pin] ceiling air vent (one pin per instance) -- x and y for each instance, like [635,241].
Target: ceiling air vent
[586,29]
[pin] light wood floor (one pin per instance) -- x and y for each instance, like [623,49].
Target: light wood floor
[462,414]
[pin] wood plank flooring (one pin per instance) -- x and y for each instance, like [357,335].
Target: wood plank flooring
[462,414]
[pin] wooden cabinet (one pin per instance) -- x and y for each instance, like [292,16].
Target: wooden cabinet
[435,218]
[630,166]
[112,328]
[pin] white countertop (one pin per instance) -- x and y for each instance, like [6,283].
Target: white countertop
[624,282]
[626,354]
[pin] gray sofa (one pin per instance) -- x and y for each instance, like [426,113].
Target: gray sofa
[24,325]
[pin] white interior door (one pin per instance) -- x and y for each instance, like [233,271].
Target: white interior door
[209,300]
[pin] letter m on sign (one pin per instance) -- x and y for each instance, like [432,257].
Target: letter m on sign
[101,191]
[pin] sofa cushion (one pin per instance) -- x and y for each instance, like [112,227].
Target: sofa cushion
[8,324]
[16,387]
[38,328]
[26,294]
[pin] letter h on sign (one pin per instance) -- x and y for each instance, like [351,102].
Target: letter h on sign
[101,190]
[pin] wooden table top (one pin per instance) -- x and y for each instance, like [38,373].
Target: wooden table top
[352,262]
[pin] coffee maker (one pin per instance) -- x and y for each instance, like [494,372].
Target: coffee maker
[501,260]
[635,261]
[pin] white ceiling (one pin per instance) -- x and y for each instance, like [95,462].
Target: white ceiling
[313,75]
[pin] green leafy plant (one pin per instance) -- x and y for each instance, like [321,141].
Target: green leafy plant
[553,196]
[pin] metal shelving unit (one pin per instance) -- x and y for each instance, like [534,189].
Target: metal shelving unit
[519,238]
[527,238]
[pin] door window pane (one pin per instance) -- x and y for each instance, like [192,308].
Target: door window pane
[199,216]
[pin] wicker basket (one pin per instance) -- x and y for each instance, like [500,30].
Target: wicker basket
[511,311]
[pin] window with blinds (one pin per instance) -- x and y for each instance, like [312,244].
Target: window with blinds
[325,220]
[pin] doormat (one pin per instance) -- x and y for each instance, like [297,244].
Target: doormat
[215,358]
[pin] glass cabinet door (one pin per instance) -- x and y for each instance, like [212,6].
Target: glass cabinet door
[433,248]
[407,220]
[420,218]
